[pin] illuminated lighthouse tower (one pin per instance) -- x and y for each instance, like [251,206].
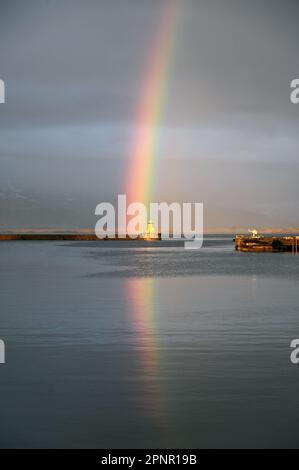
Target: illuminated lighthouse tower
[150,232]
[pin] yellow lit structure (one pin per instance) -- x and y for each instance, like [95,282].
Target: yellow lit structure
[150,232]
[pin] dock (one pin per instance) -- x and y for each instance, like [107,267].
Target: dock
[259,243]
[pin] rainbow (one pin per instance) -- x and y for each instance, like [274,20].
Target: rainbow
[142,295]
[151,105]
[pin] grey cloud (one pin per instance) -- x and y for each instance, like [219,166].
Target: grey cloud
[74,72]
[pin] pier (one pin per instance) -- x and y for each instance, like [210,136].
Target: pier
[259,243]
[72,237]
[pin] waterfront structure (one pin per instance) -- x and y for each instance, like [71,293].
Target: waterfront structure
[259,243]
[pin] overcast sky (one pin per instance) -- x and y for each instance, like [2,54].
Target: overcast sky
[73,72]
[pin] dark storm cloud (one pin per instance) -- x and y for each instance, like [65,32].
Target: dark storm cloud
[77,61]
[72,61]
[73,72]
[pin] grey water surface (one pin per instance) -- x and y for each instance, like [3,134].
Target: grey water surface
[129,344]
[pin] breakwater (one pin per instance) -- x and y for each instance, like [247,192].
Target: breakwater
[67,236]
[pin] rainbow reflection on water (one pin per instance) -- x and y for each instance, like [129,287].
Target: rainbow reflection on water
[142,301]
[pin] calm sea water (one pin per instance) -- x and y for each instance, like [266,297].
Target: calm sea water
[139,345]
